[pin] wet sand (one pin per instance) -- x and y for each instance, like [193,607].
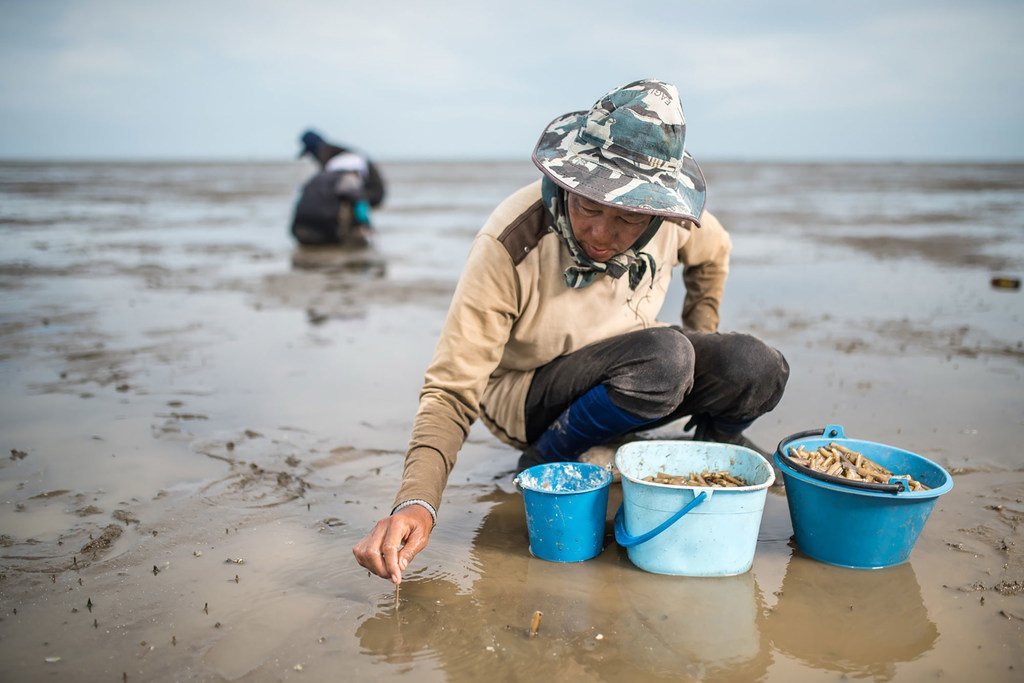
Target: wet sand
[199,420]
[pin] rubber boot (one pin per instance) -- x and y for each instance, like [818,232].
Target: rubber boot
[590,420]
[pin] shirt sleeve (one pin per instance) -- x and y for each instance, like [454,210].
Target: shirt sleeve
[705,258]
[479,322]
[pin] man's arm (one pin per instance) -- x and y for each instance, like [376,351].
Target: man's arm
[375,190]
[705,258]
[483,308]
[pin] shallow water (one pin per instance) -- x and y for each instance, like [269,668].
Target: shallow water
[172,366]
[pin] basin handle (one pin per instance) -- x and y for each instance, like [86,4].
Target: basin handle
[623,538]
[832,432]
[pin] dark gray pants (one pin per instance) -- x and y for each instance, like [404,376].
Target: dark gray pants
[664,374]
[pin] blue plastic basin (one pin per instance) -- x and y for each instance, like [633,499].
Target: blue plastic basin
[849,527]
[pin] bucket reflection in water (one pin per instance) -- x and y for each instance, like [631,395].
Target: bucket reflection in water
[470,632]
[651,626]
[577,599]
[705,628]
[851,621]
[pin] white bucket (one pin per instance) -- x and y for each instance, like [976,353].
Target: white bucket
[690,530]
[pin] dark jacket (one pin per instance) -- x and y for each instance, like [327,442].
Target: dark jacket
[374,181]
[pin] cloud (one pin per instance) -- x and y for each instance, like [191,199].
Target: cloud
[408,78]
[895,58]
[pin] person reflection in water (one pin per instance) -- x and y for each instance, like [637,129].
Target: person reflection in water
[605,620]
[552,335]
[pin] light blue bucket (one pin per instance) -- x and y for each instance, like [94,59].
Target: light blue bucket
[856,524]
[566,504]
[690,530]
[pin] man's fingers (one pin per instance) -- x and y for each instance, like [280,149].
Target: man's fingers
[416,542]
[418,523]
[392,543]
[389,551]
[371,559]
[368,551]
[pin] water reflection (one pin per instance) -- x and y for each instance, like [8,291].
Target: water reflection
[329,282]
[417,625]
[852,621]
[709,628]
[334,260]
[604,619]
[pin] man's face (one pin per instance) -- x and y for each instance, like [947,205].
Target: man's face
[603,231]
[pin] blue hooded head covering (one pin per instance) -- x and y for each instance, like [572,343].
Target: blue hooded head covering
[310,141]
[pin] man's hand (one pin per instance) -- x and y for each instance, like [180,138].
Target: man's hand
[392,543]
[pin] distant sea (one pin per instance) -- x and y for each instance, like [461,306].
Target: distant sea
[985,199]
[954,215]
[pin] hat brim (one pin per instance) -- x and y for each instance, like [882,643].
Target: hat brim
[677,193]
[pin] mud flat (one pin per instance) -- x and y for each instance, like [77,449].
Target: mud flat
[199,420]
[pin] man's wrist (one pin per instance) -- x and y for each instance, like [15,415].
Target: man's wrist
[417,501]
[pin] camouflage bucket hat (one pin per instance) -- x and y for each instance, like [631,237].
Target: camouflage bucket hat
[627,152]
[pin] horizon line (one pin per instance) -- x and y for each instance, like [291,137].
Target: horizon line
[233,159]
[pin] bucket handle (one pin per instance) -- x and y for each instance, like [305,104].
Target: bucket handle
[832,432]
[623,538]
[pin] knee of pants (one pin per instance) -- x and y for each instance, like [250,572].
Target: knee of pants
[758,372]
[658,380]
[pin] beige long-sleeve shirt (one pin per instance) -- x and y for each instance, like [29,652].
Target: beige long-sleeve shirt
[513,313]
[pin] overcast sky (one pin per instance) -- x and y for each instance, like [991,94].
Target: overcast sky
[901,79]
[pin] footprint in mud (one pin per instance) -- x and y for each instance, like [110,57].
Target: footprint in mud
[125,516]
[329,523]
[254,488]
[50,494]
[102,543]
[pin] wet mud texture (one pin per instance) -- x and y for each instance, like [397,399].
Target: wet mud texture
[199,420]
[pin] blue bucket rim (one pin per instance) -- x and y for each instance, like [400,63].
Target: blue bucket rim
[606,478]
[788,471]
[689,442]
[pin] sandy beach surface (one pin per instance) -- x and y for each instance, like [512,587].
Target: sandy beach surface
[198,420]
